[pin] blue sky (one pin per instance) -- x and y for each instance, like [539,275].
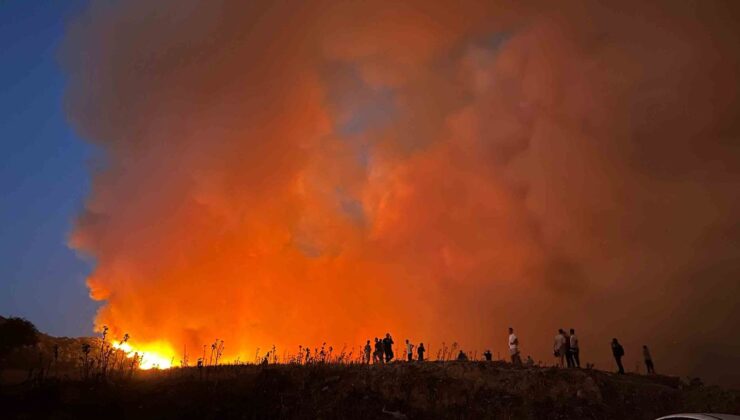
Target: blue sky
[43,173]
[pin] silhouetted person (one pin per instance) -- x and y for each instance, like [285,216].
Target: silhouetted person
[574,349]
[409,351]
[367,350]
[514,348]
[462,356]
[618,352]
[566,350]
[378,355]
[648,360]
[558,348]
[420,352]
[488,355]
[388,347]
[530,361]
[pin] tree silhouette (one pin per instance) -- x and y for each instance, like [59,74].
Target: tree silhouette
[16,333]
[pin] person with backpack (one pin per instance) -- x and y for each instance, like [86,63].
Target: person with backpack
[420,352]
[618,352]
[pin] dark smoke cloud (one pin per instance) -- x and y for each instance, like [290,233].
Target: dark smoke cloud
[292,173]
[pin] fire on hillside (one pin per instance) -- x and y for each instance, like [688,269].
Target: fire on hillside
[156,355]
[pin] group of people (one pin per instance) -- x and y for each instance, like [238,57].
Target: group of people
[383,350]
[560,349]
[565,349]
[618,353]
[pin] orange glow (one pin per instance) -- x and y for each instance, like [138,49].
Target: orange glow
[294,173]
[157,355]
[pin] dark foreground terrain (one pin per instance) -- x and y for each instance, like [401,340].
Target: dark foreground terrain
[458,390]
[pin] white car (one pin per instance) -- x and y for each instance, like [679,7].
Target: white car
[700,416]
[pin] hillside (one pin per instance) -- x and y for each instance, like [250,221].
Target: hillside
[465,390]
[68,352]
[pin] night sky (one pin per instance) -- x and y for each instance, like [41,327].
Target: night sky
[44,173]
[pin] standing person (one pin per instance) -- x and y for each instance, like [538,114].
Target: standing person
[409,351]
[648,360]
[618,352]
[367,350]
[558,348]
[420,352]
[388,347]
[378,355]
[514,348]
[574,350]
[566,350]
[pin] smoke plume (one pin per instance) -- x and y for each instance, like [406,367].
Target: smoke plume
[283,172]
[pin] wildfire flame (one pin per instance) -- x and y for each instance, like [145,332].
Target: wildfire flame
[158,355]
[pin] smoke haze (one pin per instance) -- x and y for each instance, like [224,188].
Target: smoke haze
[303,172]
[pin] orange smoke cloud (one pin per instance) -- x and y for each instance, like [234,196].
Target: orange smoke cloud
[292,173]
